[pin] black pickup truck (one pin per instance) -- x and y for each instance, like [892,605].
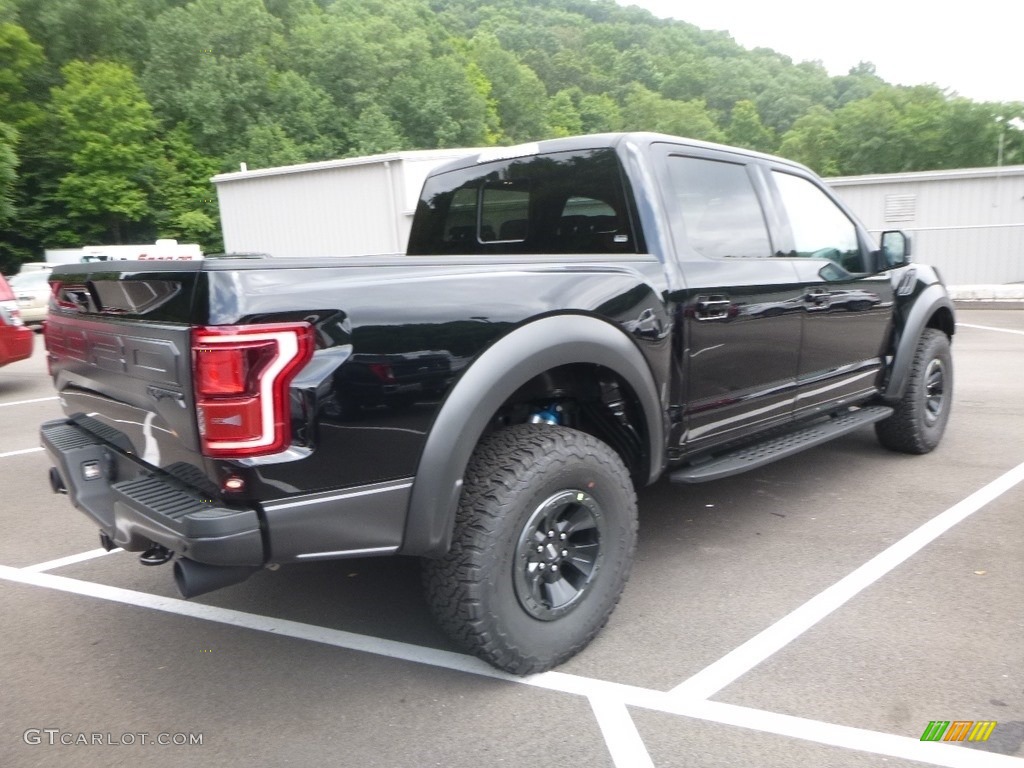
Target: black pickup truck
[573,319]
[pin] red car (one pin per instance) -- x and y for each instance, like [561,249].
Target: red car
[15,339]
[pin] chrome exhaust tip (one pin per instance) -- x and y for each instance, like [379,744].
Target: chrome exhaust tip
[195,578]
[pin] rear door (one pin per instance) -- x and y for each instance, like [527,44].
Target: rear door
[847,309]
[738,323]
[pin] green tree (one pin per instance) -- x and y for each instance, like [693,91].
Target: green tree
[438,105]
[1009,117]
[813,141]
[305,113]
[688,78]
[515,89]
[8,173]
[184,200]
[375,133]
[899,128]
[859,83]
[644,110]
[791,90]
[266,145]
[563,117]
[212,67]
[599,114]
[109,135]
[21,62]
[746,129]
[91,30]
[865,136]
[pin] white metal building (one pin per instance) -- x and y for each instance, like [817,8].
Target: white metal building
[969,223]
[358,206]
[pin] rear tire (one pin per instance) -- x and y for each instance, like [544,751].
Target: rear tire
[544,539]
[920,416]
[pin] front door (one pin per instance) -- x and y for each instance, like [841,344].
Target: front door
[846,308]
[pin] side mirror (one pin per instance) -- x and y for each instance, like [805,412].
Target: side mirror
[895,250]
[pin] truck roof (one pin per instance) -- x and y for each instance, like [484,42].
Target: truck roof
[595,141]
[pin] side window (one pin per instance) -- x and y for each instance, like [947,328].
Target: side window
[820,228]
[717,208]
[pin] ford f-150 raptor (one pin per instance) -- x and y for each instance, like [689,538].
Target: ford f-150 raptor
[572,319]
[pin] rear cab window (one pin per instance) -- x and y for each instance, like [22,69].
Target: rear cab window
[560,202]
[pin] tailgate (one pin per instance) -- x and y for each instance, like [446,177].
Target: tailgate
[118,342]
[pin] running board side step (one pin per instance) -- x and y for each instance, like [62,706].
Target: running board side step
[773,449]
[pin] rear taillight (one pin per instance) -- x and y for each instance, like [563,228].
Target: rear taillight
[10,314]
[60,294]
[241,376]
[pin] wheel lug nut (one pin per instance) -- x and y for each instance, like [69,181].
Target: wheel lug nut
[562,537]
[565,553]
[554,567]
[551,534]
[542,566]
[540,548]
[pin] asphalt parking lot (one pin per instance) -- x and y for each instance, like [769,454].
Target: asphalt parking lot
[821,611]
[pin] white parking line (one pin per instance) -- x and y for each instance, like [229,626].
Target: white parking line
[69,560]
[20,453]
[989,328]
[620,734]
[26,402]
[269,624]
[611,698]
[741,660]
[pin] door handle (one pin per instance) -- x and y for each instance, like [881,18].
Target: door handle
[712,308]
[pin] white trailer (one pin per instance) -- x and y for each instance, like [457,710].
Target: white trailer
[162,250]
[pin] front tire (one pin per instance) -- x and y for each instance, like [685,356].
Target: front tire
[544,539]
[921,414]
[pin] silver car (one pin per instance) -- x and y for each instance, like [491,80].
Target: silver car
[32,293]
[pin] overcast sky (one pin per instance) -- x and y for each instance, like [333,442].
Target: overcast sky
[976,50]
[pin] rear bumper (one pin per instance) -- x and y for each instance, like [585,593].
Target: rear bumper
[137,506]
[15,343]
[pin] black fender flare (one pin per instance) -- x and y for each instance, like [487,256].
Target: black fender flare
[489,381]
[931,300]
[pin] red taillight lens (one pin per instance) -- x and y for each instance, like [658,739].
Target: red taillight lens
[231,370]
[58,297]
[241,378]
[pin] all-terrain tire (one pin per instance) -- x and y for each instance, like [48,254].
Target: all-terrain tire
[920,416]
[544,540]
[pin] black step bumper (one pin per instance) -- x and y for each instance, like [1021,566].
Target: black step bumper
[137,506]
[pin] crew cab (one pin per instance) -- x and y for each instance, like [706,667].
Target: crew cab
[573,319]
